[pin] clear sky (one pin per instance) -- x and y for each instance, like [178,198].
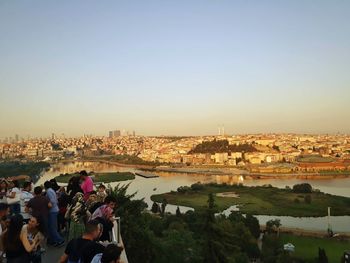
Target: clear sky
[174,67]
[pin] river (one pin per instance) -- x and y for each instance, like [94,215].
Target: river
[171,181]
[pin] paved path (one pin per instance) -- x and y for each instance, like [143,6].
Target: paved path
[52,254]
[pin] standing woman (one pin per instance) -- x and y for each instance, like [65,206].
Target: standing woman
[77,215]
[16,244]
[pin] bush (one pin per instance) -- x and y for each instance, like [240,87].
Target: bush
[197,187]
[302,188]
[296,200]
[183,189]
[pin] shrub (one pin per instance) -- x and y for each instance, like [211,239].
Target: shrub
[197,187]
[183,189]
[302,188]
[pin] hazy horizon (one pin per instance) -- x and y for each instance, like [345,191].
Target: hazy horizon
[174,68]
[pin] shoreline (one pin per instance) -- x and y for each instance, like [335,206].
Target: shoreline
[307,232]
[218,171]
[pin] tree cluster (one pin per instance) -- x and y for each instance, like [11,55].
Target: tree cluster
[195,236]
[32,169]
[221,146]
[302,188]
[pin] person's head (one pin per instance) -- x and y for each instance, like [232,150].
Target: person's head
[33,222]
[101,188]
[15,183]
[83,175]
[111,201]
[94,229]
[3,185]
[111,254]
[62,189]
[4,210]
[10,184]
[38,190]
[54,185]
[27,186]
[47,185]
[36,222]
[92,196]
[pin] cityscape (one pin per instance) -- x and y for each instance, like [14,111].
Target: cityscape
[174,131]
[274,153]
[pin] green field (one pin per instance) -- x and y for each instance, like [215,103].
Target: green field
[100,177]
[307,247]
[261,200]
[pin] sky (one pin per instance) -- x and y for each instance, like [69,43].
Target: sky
[174,67]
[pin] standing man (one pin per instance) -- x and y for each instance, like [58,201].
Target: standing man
[39,206]
[87,184]
[26,195]
[84,248]
[54,237]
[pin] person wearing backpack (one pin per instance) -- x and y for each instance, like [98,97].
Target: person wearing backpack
[84,248]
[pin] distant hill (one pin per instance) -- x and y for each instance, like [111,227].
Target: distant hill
[220,146]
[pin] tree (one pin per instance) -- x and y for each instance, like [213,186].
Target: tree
[273,226]
[322,257]
[271,248]
[213,249]
[302,188]
[195,236]
[178,212]
[164,204]
[178,246]
[211,202]
[155,208]
[253,225]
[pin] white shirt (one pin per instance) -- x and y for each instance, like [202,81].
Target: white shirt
[24,199]
[18,193]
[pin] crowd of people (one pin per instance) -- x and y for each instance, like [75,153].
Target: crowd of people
[32,218]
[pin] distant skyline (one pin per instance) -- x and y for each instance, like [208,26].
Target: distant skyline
[174,67]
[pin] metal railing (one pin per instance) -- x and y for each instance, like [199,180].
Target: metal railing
[117,238]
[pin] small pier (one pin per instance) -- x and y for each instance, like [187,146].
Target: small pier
[146,175]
